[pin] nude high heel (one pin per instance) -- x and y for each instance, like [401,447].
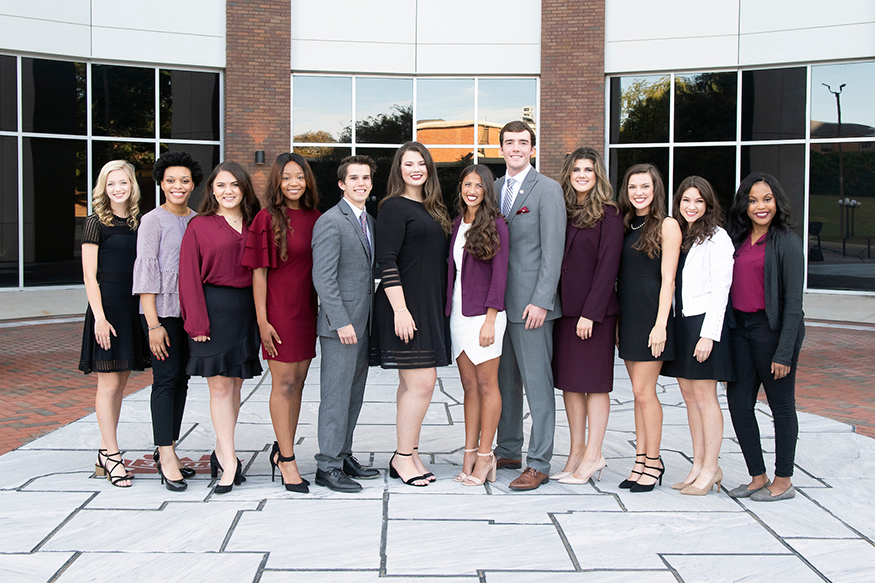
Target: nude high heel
[472,480]
[462,475]
[715,481]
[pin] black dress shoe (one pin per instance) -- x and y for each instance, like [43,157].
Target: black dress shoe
[336,480]
[353,469]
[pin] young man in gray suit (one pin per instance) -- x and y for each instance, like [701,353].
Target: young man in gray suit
[343,261]
[535,210]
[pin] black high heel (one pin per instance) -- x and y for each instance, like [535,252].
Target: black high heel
[626,484]
[649,487]
[301,487]
[101,469]
[215,466]
[186,471]
[221,489]
[172,485]
[427,475]
[393,473]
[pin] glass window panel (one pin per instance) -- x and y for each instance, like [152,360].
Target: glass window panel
[53,96]
[705,107]
[8,94]
[840,237]
[449,171]
[383,158]
[855,83]
[9,214]
[322,109]
[324,162]
[639,109]
[621,159]
[189,104]
[123,101]
[714,164]
[445,111]
[206,155]
[501,101]
[773,104]
[384,111]
[787,164]
[55,205]
[142,156]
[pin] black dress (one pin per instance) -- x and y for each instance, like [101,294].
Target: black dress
[411,251]
[638,290]
[117,251]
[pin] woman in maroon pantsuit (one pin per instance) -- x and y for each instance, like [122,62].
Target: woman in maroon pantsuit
[584,336]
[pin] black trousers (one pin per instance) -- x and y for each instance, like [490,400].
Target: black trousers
[169,383]
[753,345]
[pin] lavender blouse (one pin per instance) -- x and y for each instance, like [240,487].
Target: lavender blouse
[156,270]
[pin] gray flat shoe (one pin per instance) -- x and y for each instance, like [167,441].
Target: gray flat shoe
[765,495]
[743,492]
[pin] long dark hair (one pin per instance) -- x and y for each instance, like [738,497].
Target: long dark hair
[249,205]
[739,224]
[651,234]
[432,199]
[276,201]
[701,230]
[600,195]
[481,240]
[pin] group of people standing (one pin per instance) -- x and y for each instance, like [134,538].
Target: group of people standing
[532,285]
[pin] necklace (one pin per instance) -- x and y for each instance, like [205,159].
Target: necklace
[634,228]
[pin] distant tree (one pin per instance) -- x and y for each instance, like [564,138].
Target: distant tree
[314,137]
[394,128]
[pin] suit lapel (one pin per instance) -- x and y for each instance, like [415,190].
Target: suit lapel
[521,196]
[569,241]
[350,216]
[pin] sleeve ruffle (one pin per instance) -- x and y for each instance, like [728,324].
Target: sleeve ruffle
[260,249]
[147,276]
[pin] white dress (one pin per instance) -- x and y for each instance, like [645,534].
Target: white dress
[465,330]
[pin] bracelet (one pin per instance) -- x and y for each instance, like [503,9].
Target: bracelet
[401,310]
[155,327]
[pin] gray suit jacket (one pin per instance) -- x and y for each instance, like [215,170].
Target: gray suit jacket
[537,242]
[342,271]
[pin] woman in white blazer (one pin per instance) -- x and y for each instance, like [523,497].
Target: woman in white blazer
[702,333]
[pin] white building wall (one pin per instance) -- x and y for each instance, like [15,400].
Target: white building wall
[417,37]
[642,35]
[189,33]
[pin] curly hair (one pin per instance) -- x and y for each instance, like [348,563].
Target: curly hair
[703,228]
[432,199]
[276,200]
[249,205]
[739,224]
[169,159]
[100,200]
[651,235]
[600,196]
[481,240]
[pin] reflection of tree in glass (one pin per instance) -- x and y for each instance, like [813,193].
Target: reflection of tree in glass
[394,128]
[705,107]
[317,137]
[644,111]
[123,101]
[858,170]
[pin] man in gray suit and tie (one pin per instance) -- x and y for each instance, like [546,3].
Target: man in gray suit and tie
[343,261]
[535,210]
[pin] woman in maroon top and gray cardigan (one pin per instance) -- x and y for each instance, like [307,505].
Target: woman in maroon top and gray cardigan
[215,293]
[477,277]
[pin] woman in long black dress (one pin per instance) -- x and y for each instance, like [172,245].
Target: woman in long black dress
[113,344]
[411,332]
[645,287]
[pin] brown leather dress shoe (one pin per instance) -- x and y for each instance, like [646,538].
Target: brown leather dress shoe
[529,480]
[503,462]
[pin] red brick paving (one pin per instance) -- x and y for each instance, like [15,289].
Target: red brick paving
[42,389]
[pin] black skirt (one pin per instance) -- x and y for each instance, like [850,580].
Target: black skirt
[718,366]
[232,350]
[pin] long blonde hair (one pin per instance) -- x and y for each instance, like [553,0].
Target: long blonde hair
[100,201]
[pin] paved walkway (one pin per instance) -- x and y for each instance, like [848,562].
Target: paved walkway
[59,523]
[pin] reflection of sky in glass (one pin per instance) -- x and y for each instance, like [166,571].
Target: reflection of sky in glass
[857,103]
[502,100]
[447,99]
[322,104]
[376,96]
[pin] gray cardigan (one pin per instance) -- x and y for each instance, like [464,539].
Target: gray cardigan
[784,276]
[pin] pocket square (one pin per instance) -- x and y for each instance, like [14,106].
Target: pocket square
[523,210]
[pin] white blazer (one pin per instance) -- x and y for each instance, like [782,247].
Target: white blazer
[706,278]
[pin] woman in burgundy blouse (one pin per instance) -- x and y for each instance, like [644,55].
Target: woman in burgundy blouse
[278,251]
[215,294]
[587,329]
[766,330]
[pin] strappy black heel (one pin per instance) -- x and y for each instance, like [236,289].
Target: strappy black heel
[649,487]
[101,469]
[302,487]
[393,473]
[427,475]
[626,484]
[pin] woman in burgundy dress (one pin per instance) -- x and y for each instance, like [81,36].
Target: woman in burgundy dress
[587,329]
[215,294]
[278,251]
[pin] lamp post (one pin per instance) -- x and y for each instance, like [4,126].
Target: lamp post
[838,95]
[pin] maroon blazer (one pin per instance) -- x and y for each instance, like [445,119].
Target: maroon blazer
[483,282]
[590,266]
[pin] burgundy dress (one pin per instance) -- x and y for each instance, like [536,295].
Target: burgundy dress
[587,284]
[291,298]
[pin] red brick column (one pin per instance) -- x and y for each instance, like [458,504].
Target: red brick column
[572,80]
[257,83]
